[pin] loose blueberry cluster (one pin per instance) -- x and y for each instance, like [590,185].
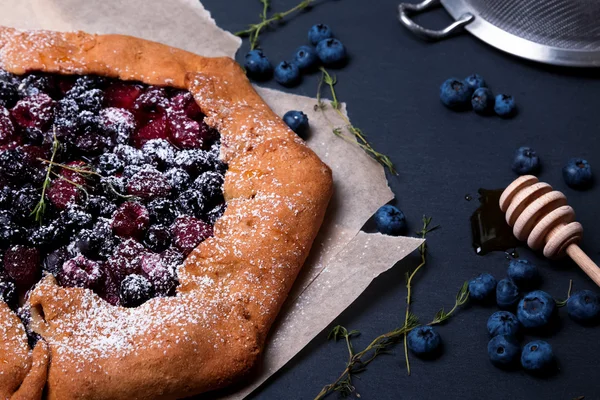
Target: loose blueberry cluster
[577,172]
[535,311]
[133,185]
[473,93]
[327,51]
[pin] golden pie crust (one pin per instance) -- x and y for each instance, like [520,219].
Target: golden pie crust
[231,287]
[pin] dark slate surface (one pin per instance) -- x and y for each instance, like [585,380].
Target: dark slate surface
[391,87]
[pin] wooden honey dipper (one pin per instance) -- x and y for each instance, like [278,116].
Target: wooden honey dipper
[540,216]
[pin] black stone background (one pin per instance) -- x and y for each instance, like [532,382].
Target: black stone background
[391,88]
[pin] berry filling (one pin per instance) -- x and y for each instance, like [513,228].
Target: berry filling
[106,185]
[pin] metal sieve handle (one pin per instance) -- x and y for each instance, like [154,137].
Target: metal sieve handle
[406,9]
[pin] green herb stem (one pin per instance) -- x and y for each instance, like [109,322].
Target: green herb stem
[40,207]
[358,134]
[254,30]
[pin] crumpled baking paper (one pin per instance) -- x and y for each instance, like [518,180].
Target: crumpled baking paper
[343,259]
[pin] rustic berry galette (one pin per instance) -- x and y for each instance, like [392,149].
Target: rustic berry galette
[154,213]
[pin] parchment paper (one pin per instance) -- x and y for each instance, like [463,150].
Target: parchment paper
[343,260]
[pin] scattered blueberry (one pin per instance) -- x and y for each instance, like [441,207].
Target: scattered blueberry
[319,32]
[537,356]
[298,122]
[389,220]
[584,306]
[475,81]
[503,323]
[424,340]
[332,52]
[258,65]
[523,273]
[577,173]
[507,294]
[306,58]
[526,161]
[504,105]
[482,287]
[455,94]
[503,351]
[287,74]
[482,100]
[535,309]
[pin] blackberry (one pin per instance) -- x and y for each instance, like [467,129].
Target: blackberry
[210,184]
[161,152]
[135,290]
[54,260]
[158,238]
[178,178]
[191,202]
[109,164]
[8,290]
[213,215]
[8,89]
[34,84]
[161,211]
[100,206]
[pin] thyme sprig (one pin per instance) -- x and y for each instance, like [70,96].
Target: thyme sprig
[409,277]
[40,208]
[254,30]
[360,137]
[358,361]
[562,303]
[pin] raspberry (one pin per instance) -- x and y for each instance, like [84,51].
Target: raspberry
[34,112]
[148,184]
[135,290]
[122,95]
[158,238]
[22,264]
[62,193]
[118,124]
[110,289]
[126,259]
[7,129]
[156,129]
[81,272]
[130,220]
[189,232]
[160,272]
[185,132]
[184,103]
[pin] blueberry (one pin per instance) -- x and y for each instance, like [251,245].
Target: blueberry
[535,309]
[523,273]
[482,287]
[287,74]
[258,65]
[319,32]
[577,173]
[389,220]
[475,81]
[503,323]
[526,161]
[455,94]
[503,351]
[504,105]
[424,340]
[537,356]
[306,58]
[507,294]
[298,122]
[482,100]
[584,306]
[332,52]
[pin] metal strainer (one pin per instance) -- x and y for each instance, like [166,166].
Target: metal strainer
[561,32]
